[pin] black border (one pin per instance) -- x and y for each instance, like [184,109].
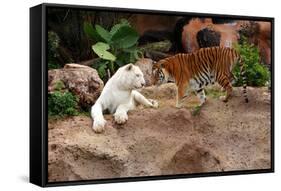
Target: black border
[39,83]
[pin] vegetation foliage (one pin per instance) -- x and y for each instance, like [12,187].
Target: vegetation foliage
[53,44]
[62,103]
[115,47]
[257,74]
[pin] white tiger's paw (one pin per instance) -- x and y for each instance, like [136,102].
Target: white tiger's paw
[98,125]
[120,118]
[154,103]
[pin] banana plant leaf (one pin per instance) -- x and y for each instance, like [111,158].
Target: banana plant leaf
[101,48]
[91,32]
[125,37]
[104,34]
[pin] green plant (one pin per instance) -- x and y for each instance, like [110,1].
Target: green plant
[115,47]
[256,73]
[53,44]
[59,85]
[62,104]
[214,93]
[53,65]
[196,110]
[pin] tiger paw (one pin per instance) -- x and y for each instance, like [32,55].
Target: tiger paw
[120,118]
[154,103]
[98,126]
[178,105]
[223,98]
[203,102]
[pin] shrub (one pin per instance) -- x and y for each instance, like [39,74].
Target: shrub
[256,73]
[53,44]
[115,47]
[62,104]
[59,85]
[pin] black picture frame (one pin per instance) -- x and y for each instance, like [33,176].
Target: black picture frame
[38,96]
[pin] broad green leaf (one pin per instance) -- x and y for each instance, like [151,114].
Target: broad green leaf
[122,58]
[116,27]
[101,48]
[125,37]
[91,32]
[130,49]
[125,22]
[120,63]
[134,52]
[104,34]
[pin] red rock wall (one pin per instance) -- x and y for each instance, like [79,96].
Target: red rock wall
[229,35]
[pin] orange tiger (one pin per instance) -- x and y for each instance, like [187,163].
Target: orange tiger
[199,69]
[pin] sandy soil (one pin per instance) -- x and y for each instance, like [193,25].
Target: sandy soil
[221,137]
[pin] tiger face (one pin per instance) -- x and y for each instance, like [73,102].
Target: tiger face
[159,75]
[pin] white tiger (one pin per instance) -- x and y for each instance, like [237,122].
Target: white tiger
[119,96]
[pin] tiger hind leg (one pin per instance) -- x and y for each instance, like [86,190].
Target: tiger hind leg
[232,80]
[226,84]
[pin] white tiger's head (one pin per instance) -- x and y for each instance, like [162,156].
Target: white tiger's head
[131,77]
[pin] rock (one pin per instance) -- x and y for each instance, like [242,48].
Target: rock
[156,50]
[222,21]
[163,141]
[258,33]
[168,90]
[249,30]
[208,38]
[82,81]
[228,33]
[192,159]
[145,65]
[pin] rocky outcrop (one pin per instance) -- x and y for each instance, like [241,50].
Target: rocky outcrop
[167,140]
[82,81]
[208,38]
[228,33]
[258,33]
[145,64]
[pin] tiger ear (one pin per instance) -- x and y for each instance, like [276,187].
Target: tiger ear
[129,67]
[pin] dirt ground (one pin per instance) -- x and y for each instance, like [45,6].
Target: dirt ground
[220,137]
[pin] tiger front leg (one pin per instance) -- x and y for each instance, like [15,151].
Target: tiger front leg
[201,95]
[180,96]
[140,99]
[121,116]
[97,116]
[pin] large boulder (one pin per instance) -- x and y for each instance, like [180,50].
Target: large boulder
[208,38]
[164,141]
[211,34]
[145,64]
[82,81]
[258,33]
